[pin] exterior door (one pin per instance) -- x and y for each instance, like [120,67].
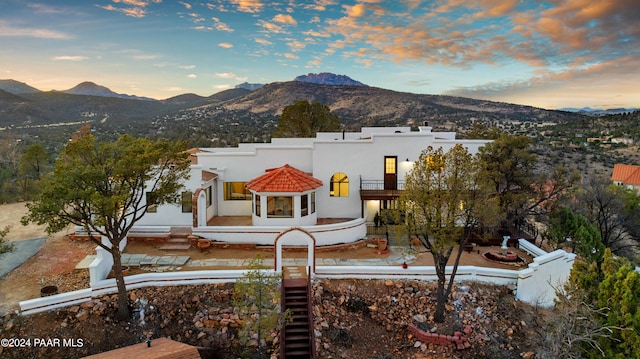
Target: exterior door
[390,172]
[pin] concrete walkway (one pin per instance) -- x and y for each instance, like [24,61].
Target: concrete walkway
[24,250]
[171,261]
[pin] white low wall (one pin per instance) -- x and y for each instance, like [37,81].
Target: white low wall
[424,273]
[537,283]
[61,300]
[325,234]
[107,286]
[530,248]
[103,263]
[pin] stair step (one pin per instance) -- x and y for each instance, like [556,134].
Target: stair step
[293,338]
[298,353]
[296,330]
[293,298]
[295,290]
[177,240]
[175,247]
[298,310]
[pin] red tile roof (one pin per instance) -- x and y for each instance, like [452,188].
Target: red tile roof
[284,179]
[627,174]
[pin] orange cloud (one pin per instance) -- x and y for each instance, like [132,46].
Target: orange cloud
[285,19]
[250,6]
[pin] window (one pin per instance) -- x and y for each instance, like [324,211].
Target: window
[208,194]
[152,206]
[279,207]
[235,191]
[313,202]
[339,185]
[187,202]
[304,205]
[257,205]
[390,165]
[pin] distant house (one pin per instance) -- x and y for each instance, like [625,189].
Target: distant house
[626,175]
[330,186]
[622,140]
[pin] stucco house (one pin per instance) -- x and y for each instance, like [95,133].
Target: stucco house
[329,186]
[626,175]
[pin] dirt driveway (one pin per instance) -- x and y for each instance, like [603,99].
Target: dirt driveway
[54,264]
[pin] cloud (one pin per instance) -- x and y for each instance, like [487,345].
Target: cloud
[45,9]
[7,30]
[355,10]
[618,78]
[285,19]
[221,86]
[263,41]
[187,67]
[137,8]
[186,5]
[225,75]
[69,58]
[296,45]
[219,25]
[291,56]
[320,5]
[226,45]
[271,27]
[192,76]
[316,33]
[145,57]
[250,6]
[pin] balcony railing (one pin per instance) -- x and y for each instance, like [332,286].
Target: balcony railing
[377,185]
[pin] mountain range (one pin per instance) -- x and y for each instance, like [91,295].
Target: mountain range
[355,104]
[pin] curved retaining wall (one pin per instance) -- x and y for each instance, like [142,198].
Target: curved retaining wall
[325,234]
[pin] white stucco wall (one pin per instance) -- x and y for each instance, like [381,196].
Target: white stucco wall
[537,283]
[359,155]
[171,214]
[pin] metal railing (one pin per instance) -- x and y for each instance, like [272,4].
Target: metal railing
[377,185]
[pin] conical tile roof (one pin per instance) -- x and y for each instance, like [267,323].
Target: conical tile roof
[284,179]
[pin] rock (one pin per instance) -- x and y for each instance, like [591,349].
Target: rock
[417,344]
[74,309]
[420,318]
[82,316]
[528,355]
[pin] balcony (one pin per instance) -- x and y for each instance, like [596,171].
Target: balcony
[379,190]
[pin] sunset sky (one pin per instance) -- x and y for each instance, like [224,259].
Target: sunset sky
[550,54]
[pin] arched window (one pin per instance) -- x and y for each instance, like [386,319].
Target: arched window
[339,185]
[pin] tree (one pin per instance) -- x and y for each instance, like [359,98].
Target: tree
[257,300]
[566,225]
[613,289]
[481,132]
[10,150]
[101,186]
[4,245]
[443,200]
[614,210]
[508,165]
[304,119]
[32,165]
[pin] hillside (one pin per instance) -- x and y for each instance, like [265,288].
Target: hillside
[375,106]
